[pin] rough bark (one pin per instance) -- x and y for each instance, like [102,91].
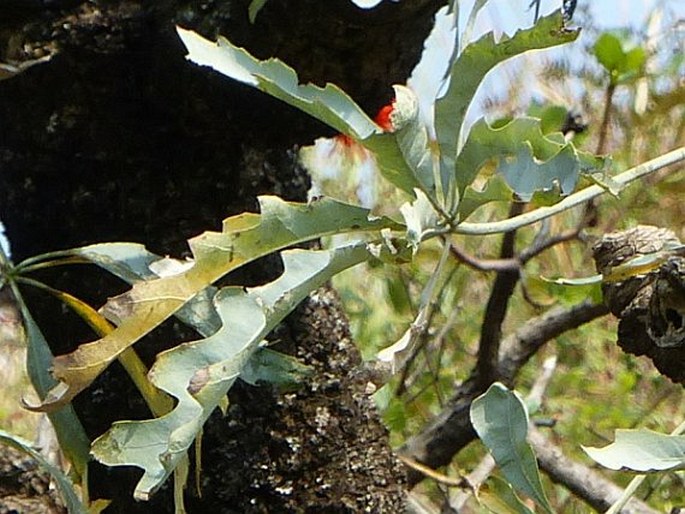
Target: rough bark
[24,487]
[650,305]
[118,137]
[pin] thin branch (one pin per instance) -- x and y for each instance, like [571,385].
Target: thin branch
[674,157]
[538,247]
[519,347]
[606,117]
[431,473]
[584,482]
[484,264]
[496,309]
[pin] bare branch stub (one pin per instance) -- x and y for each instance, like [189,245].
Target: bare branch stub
[650,305]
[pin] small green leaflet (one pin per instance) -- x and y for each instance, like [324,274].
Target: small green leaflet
[500,419]
[642,451]
[621,65]
[200,373]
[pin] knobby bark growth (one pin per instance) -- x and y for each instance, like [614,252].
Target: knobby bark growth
[118,137]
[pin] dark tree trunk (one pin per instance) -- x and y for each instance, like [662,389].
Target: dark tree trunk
[118,137]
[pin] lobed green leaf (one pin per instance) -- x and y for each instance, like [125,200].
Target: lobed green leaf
[200,373]
[528,160]
[469,70]
[244,238]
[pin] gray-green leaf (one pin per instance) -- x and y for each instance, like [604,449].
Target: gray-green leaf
[501,421]
[642,451]
[474,62]
[200,373]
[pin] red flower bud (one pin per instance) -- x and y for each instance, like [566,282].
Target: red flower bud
[382,119]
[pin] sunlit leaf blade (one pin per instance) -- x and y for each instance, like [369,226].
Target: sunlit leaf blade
[639,265]
[474,62]
[133,263]
[244,239]
[500,419]
[329,104]
[495,190]
[412,138]
[529,160]
[581,281]
[70,433]
[200,373]
[642,451]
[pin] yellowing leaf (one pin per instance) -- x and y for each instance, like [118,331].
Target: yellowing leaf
[244,239]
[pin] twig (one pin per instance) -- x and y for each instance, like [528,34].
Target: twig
[484,264]
[580,197]
[606,117]
[460,482]
[538,247]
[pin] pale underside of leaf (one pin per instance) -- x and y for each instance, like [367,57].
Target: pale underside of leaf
[200,373]
[328,104]
[148,304]
[642,451]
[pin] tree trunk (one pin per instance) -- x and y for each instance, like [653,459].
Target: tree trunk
[119,138]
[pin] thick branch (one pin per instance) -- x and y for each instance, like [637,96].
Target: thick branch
[584,482]
[451,430]
[496,309]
